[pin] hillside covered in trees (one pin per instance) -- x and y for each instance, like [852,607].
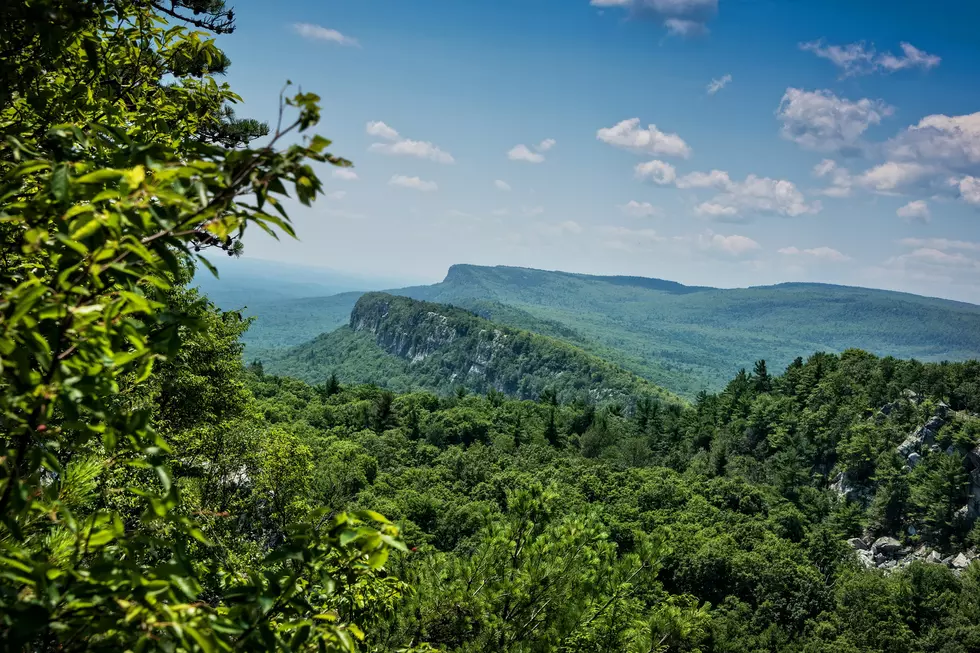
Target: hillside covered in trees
[404,344]
[683,338]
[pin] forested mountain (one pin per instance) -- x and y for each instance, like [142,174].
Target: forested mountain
[680,337]
[404,344]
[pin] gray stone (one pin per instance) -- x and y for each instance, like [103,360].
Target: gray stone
[858,543]
[935,423]
[887,409]
[961,562]
[947,560]
[934,558]
[913,396]
[880,559]
[886,545]
[935,448]
[942,409]
[914,459]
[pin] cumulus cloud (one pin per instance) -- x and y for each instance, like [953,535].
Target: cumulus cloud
[524,153]
[862,59]
[734,245]
[629,135]
[953,141]
[399,146]
[934,260]
[969,188]
[893,176]
[821,253]
[718,84]
[914,211]
[501,185]
[819,120]
[413,182]
[320,33]
[736,198]
[659,172]
[379,129]
[344,173]
[639,209]
[680,17]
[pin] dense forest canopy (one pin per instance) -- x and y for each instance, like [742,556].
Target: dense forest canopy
[157,494]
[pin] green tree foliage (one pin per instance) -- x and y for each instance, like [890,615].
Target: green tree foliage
[120,391]
[535,547]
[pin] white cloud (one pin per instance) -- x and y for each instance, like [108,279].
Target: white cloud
[337,195]
[941,244]
[716,211]
[685,27]
[532,211]
[717,179]
[381,130]
[753,195]
[419,149]
[524,153]
[320,33]
[822,253]
[344,173]
[546,144]
[969,190]
[501,185]
[630,136]
[718,84]
[413,182]
[893,176]
[953,141]
[912,57]
[659,172]
[639,209]
[861,59]
[735,245]
[681,17]
[399,146]
[819,120]
[917,210]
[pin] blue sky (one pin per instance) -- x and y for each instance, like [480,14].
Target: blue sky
[841,142]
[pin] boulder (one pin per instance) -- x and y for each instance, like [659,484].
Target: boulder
[934,558]
[961,562]
[886,546]
[913,396]
[935,423]
[866,559]
[947,560]
[942,409]
[858,543]
[914,459]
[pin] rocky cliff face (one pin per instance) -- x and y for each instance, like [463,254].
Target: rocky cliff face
[457,347]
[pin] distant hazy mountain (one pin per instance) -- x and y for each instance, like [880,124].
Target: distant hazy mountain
[683,338]
[405,344]
[249,282]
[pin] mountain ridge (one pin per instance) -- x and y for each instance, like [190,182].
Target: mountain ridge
[408,344]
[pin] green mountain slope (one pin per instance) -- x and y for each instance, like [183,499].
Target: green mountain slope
[404,344]
[683,338]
